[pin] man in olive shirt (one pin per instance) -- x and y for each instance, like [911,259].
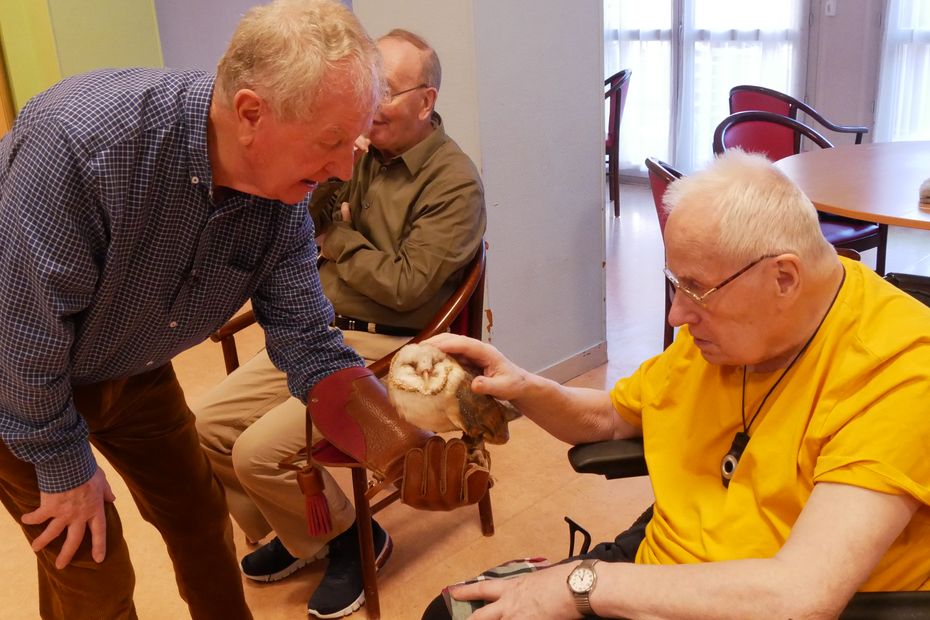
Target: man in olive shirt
[394,241]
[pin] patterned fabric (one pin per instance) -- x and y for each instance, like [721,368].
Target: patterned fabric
[115,257]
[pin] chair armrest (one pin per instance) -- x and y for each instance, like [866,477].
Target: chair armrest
[617,458]
[856,129]
[887,606]
[450,310]
[233,326]
[225,335]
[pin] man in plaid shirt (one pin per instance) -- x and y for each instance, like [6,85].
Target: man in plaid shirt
[139,210]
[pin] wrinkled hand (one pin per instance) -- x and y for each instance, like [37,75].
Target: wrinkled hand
[438,476]
[501,378]
[542,594]
[74,511]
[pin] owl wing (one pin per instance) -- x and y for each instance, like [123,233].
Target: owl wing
[483,417]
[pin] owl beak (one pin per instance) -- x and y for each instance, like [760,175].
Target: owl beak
[425,374]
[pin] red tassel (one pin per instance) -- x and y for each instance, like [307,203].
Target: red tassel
[311,484]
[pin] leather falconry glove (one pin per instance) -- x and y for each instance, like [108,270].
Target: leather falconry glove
[439,476]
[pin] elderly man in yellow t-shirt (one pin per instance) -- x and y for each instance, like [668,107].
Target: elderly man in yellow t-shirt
[785,430]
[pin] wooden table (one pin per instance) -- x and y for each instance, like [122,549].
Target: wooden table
[873,182]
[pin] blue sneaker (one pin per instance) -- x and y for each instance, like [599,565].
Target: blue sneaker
[272,562]
[341,590]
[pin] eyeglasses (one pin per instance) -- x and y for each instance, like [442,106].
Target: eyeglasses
[390,97]
[700,298]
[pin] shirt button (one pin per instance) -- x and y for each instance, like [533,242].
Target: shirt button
[173,324]
[366,204]
[195,180]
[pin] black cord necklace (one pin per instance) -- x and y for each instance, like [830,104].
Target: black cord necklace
[741,439]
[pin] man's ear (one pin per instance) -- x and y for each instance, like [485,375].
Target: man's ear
[250,110]
[428,103]
[788,274]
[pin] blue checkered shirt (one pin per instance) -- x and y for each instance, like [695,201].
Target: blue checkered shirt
[114,257]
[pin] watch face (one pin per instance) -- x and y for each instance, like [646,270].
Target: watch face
[581,580]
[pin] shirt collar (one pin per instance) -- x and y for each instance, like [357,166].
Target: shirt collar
[416,157]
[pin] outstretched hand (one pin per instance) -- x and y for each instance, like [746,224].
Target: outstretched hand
[74,511]
[500,377]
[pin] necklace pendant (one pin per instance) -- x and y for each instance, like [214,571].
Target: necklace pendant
[731,459]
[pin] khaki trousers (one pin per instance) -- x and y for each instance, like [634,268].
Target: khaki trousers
[144,429]
[247,424]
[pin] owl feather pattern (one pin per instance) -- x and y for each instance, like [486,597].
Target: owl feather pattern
[433,391]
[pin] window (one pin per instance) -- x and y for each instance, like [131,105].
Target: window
[903,111]
[685,56]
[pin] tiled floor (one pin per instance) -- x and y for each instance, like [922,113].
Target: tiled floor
[535,485]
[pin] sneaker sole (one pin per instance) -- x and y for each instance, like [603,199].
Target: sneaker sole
[380,561]
[289,570]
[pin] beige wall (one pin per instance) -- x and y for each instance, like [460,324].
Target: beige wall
[843,63]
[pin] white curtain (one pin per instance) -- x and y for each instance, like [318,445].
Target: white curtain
[685,56]
[903,111]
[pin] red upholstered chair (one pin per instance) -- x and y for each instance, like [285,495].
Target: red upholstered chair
[660,175]
[461,314]
[615,90]
[747,97]
[765,132]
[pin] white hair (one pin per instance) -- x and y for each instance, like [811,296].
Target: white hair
[759,210]
[285,50]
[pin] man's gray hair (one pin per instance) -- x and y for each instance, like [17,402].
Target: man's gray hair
[760,211]
[285,51]
[432,70]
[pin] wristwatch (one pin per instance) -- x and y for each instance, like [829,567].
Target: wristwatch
[581,582]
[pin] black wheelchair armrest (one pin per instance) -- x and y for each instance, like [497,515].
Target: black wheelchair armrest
[616,458]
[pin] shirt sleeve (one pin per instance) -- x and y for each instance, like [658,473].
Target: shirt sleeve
[52,235]
[291,308]
[447,224]
[878,437]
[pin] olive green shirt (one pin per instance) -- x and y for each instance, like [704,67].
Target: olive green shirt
[416,222]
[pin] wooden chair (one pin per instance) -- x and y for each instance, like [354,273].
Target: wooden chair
[625,458]
[462,314]
[616,87]
[660,176]
[764,132]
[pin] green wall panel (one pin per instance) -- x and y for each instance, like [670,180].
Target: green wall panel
[28,47]
[92,34]
[46,40]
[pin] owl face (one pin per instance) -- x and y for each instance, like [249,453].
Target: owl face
[422,368]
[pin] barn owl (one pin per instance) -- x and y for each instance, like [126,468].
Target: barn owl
[433,391]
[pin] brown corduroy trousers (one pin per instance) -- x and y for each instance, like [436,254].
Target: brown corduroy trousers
[143,427]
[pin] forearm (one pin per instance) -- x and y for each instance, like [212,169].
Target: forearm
[295,315]
[835,544]
[741,589]
[574,415]
[405,262]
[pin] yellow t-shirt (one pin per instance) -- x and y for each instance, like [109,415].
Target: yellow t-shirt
[854,409]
